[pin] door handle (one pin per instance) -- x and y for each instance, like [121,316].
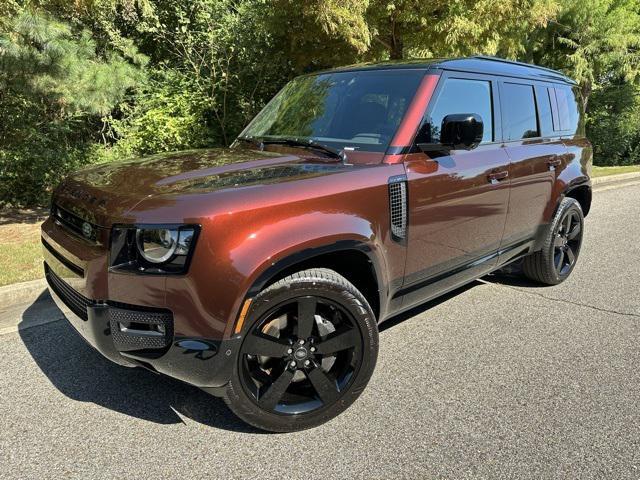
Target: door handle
[495,177]
[554,161]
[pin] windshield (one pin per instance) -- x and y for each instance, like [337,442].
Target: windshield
[343,110]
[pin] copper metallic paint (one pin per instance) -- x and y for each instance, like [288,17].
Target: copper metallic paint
[456,214]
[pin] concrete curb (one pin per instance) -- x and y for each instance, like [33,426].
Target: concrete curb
[615,178]
[21,292]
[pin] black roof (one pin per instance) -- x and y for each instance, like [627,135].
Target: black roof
[475,64]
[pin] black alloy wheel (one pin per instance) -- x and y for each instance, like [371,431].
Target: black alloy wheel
[567,242]
[309,348]
[557,257]
[301,356]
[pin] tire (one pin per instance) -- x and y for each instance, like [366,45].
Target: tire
[556,260]
[341,330]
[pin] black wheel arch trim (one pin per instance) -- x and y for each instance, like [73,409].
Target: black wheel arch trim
[310,253]
[544,228]
[574,186]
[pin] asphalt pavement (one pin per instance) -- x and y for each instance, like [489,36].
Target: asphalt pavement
[502,379]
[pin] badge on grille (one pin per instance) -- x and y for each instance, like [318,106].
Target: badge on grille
[87,229]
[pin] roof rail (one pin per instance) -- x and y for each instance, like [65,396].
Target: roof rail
[515,62]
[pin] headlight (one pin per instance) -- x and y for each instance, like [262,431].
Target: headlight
[157,245]
[152,249]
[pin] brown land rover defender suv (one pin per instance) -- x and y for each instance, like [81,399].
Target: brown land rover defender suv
[261,272]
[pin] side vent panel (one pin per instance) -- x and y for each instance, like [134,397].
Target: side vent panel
[398,207]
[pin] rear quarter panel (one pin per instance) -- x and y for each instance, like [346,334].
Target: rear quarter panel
[574,171]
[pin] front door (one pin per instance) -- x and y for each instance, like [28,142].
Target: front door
[457,201]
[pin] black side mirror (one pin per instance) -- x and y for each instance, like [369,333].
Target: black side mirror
[459,131]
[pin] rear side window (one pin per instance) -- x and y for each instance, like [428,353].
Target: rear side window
[463,96]
[519,112]
[568,114]
[545,113]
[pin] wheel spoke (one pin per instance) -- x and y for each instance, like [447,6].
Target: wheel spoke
[560,261]
[257,344]
[570,256]
[306,316]
[325,387]
[575,232]
[337,342]
[275,391]
[566,223]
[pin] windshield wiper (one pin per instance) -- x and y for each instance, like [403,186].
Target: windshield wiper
[295,142]
[255,141]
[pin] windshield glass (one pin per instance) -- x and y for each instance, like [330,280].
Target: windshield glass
[353,110]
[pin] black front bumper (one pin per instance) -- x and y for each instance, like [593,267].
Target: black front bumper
[92,327]
[134,336]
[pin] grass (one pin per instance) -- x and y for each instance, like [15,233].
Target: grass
[604,171]
[20,256]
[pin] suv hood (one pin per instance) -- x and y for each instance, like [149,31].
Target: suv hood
[103,194]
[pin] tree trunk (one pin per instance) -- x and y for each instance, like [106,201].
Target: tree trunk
[585,90]
[396,47]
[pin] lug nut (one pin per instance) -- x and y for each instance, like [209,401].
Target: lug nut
[290,351]
[301,342]
[313,349]
[292,364]
[307,363]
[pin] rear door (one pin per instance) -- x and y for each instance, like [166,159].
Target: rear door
[458,200]
[535,152]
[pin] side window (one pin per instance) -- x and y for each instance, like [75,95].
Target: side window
[519,112]
[567,109]
[545,114]
[463,96]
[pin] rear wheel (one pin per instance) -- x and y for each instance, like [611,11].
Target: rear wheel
[309,349]
[555,261]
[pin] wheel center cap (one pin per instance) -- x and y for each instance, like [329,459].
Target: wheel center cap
[301,353]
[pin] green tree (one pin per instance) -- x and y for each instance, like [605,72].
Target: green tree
[54,89]
[229,57]
[612,124]
[43,57]
[596,42]
[402,28]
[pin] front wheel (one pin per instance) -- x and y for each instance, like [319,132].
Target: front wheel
[309,349]
[555,261]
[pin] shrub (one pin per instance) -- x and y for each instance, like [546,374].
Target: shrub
[612,125]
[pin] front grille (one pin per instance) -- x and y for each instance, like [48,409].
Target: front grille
[62,259]
[77,225]
[75,301]
[398,206]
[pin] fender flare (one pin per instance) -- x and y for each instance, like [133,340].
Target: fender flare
[308,254]
[575,186]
